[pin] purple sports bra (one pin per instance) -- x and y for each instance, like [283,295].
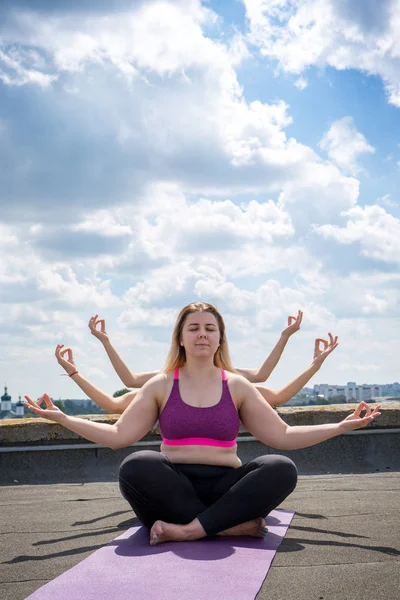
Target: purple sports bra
[184,425]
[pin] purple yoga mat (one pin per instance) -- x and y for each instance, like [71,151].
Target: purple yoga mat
[128,568]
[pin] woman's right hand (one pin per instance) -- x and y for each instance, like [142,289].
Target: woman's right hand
[101,333]
[51,412]
[68,364]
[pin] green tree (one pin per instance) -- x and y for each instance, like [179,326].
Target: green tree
[71,408]
[318,402]
[338,399]
[119,393]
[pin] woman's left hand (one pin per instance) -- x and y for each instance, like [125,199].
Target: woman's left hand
[51,412]
[293,324]
[320,354]
[355,421]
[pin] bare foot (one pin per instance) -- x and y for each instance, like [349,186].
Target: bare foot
[254,528]
[167,532]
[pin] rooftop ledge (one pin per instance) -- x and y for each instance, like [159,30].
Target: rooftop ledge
[15,432]
[37,451]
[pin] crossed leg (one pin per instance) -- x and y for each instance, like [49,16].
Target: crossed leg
[165,500]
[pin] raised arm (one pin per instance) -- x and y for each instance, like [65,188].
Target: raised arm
[108,403]
[135,423]
[128,378]
[262,374]
[281,396]
[265,424]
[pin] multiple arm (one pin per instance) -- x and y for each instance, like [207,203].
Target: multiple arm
[137,420]
[124,373]
[128,378]
[265,424]
[108,403]
[281,396]
[273,397]
[140,409]
[256,415]
[262,374]
[137,380]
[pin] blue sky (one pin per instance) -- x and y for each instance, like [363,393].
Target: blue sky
[153,153]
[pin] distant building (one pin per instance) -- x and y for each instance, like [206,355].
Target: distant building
[8,410]
[5,401]
[357,393]
[20,409]
[351,391]
[390,389]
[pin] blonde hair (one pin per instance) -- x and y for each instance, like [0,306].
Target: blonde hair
[176,356]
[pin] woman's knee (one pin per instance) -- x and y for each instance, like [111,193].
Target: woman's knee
[281,468]
[139,464]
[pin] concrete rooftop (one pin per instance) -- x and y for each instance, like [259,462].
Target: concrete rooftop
[343,542]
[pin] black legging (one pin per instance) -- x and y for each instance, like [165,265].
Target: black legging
[220,497]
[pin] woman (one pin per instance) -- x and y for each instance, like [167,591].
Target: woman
[196,486]
[274,397]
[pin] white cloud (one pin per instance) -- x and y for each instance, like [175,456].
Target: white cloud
[301,83]
[238,49]
[345,35]
[207,226]
[319,196]
[7,236]
[343,144]
[64,284]
[103,223]
[176,177]
[220,144]
[374,304]
[387,201]
[13,73]
[377,231]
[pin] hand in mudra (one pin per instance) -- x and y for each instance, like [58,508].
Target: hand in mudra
[51,412]
[293,324]
[101,333]
[355,421]
[68,364]
[323,348]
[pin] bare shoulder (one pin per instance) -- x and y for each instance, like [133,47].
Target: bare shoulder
[235,377]
[157,383]
[159,387]
[239,387]
[150,396]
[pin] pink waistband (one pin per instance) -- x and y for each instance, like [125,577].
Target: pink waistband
[195,441]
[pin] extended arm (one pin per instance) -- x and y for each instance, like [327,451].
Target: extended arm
[128,378]
[137,420]
[281,396]
[108,403]
[131,380]
[265,424]
[262,374]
